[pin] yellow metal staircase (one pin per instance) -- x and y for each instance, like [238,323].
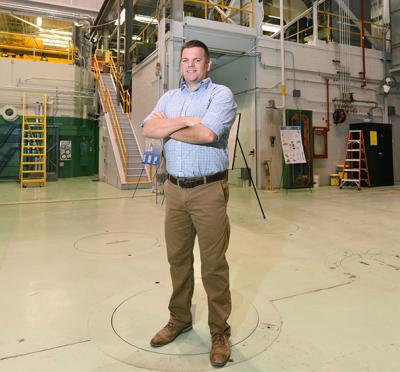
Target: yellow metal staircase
[129,151]
[33,142]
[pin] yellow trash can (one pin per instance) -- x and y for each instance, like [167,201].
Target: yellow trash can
[334,179]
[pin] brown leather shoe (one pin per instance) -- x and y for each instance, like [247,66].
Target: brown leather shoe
[169,333]
[220,350]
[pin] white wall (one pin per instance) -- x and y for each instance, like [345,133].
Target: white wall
[69,88]
[254,77]
[145,93]
[255,80]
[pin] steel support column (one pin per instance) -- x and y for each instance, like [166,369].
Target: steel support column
[128,4]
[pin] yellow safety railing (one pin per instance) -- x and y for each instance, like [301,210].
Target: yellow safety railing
[124,94]
[327,21]
[109,107]
[142,37]
[224,10]
[32,47]
[142,33]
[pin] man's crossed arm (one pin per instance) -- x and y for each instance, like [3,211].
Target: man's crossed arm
[183,128]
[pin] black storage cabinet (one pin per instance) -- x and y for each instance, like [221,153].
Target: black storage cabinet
[379,153]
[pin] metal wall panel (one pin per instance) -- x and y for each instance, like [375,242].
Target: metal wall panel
[395,28]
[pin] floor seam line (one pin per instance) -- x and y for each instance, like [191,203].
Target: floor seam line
[312,291]
[43,350]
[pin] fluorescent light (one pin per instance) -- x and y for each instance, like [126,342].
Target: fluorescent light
[55,37]
[39,21]
[271,16]
[269,27]
[121,18]
[136,38]
[68,33]
[145,19]
[58,43]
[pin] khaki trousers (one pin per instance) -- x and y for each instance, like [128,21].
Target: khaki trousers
[199,211]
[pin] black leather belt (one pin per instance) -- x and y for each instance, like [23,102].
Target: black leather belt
[190,182]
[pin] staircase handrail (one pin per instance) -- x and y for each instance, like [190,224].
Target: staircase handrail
[109,107]
[99,78]
[118,132]
[124,93]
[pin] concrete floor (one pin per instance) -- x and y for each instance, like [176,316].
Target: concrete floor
[84,281]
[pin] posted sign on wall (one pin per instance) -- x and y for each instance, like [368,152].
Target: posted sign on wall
[292,145]
[65,150]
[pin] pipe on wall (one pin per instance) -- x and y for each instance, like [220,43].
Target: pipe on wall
[362,31]
[328,120]
[36,11]
[283,86]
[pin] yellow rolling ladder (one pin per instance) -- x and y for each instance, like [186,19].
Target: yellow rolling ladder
[355,162]
[33,142]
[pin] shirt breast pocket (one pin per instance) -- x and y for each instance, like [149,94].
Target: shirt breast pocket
[199,108]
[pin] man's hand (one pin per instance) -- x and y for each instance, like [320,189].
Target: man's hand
[191,121]
[160,126]
[158,115]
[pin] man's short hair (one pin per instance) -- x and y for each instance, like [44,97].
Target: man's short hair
[196,44]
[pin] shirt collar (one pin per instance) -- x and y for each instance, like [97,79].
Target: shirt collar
[204,83]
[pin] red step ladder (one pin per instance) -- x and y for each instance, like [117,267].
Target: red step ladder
[355,162]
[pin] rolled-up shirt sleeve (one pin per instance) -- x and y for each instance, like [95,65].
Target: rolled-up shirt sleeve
[221,112]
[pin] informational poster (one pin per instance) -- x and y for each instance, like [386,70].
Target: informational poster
[292,145]
[152,152]
[65,150]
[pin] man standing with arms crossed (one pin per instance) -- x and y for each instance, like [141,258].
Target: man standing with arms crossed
[194,122]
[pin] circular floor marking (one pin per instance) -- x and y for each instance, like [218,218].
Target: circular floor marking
[115,243]
[124,325]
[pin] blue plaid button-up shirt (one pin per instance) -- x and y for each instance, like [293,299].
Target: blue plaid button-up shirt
[216,106]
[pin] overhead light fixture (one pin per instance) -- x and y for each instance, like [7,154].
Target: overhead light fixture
[271,16]
[269,27]
[56,37]
[145,19]
[39,21]
[67,33]
[52,42]
[121,18]
[136,38]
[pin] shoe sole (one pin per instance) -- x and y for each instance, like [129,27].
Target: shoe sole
[184,330]
[219,365]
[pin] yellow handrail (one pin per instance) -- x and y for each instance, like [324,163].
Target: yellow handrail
[118,132]
[109,107]
[223,6]
[32,43]
[329,28]
[124,94]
